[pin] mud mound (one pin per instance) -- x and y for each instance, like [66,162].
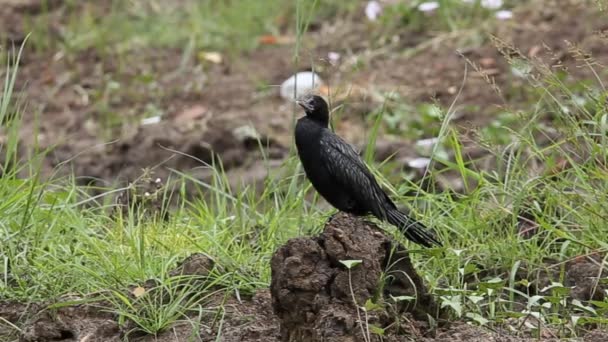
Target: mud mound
[597,335]
[314,293]
[11,313]
[310,300]
[460,331]
[251,321]
[172,144]
[146,194]
[467,332]
[583,275]
[74,323]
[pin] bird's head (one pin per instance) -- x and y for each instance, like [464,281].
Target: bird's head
[315,107]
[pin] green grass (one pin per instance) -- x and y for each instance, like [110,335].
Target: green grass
[55,239]
[119,26]
[122,33]
[128,25]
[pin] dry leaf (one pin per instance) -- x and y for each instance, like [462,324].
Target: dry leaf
[212,56]
[324,90]
[191,114]
[488,72]
[487,62]
[534,51]
[270,39]
[138,291]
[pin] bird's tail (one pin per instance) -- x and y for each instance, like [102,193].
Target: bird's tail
[413,230]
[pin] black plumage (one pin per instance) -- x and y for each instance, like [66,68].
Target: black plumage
[338,173]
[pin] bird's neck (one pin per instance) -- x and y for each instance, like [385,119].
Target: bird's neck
[321,119]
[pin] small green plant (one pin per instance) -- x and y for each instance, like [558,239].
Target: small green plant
[544,169]
[409,121]
[155,309]
[363,322]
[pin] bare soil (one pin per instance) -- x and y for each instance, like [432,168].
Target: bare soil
[250,321]
[98,134]
[314,293]
[310,299]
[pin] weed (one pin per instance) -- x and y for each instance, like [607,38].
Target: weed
[544,171]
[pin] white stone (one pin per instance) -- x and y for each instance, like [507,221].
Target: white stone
[428,6]
[151,120]
[491,4]
[504,15]
[373,10]
[419,163]
[306,82]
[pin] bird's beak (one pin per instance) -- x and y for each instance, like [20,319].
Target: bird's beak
[304,104]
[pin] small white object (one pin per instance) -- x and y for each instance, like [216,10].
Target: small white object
[504,15]
[373,9]
[151,120]
[213,57]
[245,132]
[306,82]
[333,57]
[419,163]
[426,147]
[491,4]
[428,6]
[430,142]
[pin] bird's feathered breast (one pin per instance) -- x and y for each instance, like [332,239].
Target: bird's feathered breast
[348,170]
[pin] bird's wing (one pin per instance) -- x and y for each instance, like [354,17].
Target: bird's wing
[349,171]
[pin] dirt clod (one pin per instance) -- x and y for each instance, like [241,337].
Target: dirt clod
[197,264]
[146,194]
[582,276]
[466,332]
[74,323]
[597,335]
[251,321]
[313,293]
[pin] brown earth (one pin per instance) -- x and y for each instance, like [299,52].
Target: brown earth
[310,299]
[250,321]
[97,132]
[204,107]
[313,294]
[582,274]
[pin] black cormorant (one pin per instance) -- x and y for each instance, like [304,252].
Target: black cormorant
[338,173]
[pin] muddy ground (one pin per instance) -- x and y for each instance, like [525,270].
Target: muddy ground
[97,131]
[204,108]
[310,299]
